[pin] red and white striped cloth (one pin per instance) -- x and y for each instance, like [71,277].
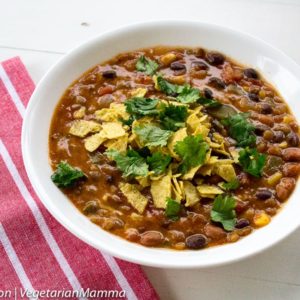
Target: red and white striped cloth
[36,252]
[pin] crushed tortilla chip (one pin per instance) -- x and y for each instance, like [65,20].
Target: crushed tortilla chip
[160,191]
[143,181]
[82,128]
[79,113]
[134,197]
[92,142]
[226,171]
[114,113]
[209,191]
[112,130]
[139,92]
[191,194]
[179,135]
[119,144]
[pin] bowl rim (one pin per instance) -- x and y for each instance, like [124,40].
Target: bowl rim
[80,233]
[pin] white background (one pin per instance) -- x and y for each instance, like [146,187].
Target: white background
[41,31]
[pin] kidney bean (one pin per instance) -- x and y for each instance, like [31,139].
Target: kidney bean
[291,154]
[242,223]
[105,90]
[263,194]
[278,137]
[200,65]
[285,188]
[208,93]
[215,58]
[152,238]
[254,97]
[132,235]
[216,83]
[251,73]
[176,65]
[265,119]
[214,232]
[241,206]
[196,241]
[291,169]
[293,139]
[109,74]
[282,127]
[105,100]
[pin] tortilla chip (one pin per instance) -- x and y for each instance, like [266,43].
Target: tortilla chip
[191,173]
[226,171]
[139,92]
[93,142]
[191,194]
[112,130]
[143,181]
[119,144]
[179,135]
[79,113]
[234,154]
[134,197]
[209,191]
[114,113]
[161,190]
[82,128]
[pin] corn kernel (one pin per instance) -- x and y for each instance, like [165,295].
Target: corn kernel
[261,219]
[179,246]
[288,119]
[168,58]
[283,145]
[274,179]
[246,88]
[233,237]
[262,94]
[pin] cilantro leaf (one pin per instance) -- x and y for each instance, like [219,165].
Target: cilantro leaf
[139,106]
[158,162]
[146,65]
[131,164]
[184,93]
[211,103]
[231,185]
[223,211]
[65,175]
[151,135]
[192,150]
[188,94]
[252,161]
[173,117]
[241,129]
[172,209]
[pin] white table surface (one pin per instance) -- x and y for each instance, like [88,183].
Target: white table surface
[40,32]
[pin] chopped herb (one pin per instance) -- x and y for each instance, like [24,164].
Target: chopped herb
[158,162]
[139,107]
[173,117]
[172,209]
[128,122]
[192,151]
[231,185]
[151,135]
[252,161]
[144,152]
[131,163]
[66,176]
[241,129]
[223,211]
[146,65]
[210,103]
[184,93]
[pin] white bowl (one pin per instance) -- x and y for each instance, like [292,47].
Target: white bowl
[273,64]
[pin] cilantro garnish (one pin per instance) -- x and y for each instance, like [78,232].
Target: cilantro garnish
[192,151]
[223,211]
[183,93]
[65,175]
[210,103]
[173,117]
[231,185]
[158,162]
[151,135]
[146,65]
[131,163]
[172,209]
[241,129]
[140,106]
[252,161]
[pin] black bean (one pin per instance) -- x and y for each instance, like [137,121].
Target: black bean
[215,58]
[216,83]
[200,65]
[176,65]
[251,73]
[110,74]
[263,194]
[109,178]
[196,241]
[266,108]
[242,223]
[293,139]
[254,97]
[278,137]
[260,129]
[208,93]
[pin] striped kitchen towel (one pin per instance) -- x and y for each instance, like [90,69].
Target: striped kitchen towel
[37,254]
